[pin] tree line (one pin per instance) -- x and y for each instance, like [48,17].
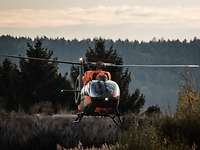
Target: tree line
[30,82]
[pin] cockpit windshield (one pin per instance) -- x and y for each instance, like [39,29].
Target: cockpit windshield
[104,89]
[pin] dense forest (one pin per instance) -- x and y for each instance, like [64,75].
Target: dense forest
[160,86]
[36,85]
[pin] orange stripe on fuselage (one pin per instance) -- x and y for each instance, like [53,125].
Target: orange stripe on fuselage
[83,104]
[103,110]
[87,100]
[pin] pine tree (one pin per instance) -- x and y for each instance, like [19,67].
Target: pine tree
[41,81]
[10,85]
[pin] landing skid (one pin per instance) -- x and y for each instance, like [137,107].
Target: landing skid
[117,122]
[79,117]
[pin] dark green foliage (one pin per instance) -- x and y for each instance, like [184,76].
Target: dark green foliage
[153,134]
[185,129]
[38,76]
[10,80]
[41,80]
[99,53]
[163,82]
[35,82]
[133,102]
[153,110]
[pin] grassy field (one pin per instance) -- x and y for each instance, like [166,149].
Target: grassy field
[22,132]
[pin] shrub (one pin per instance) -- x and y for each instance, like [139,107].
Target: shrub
[21,131]
[42,108]
[183,129]
[189,96]
[152,134]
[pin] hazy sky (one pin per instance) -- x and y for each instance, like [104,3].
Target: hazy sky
[132,19]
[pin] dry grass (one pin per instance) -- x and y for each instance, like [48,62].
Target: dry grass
[21,131]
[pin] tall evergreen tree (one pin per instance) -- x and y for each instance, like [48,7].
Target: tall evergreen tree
[41,80]
[10,85]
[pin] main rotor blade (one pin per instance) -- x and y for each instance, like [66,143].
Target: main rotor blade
[42,59]
[147,66]
[106,64]
[157,66]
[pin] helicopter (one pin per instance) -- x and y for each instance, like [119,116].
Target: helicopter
[99,95]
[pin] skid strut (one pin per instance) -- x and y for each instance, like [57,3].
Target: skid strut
[117,122]
[79,117]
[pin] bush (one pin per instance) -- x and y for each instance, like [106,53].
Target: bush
[185,129]
[21,131]
[42,108]
[154,134]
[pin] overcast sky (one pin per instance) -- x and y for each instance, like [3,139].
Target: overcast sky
[132,19]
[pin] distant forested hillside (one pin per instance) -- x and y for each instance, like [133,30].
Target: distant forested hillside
[160,85]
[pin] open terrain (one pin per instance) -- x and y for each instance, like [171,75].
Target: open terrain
[20,131]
